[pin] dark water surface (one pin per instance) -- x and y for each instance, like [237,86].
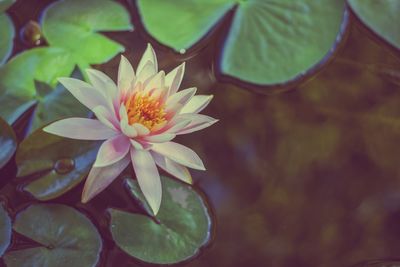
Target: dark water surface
[306,178]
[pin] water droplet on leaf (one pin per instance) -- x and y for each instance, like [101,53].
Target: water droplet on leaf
[63,166]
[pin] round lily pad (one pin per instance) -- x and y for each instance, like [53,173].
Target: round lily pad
[5,230]
[382,17]
[180,229]
[64,238]
[58,164]
[7,33]
[8,142]
[268,42]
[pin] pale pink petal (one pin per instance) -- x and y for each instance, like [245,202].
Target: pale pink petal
[176,125]
[127,129]
[173,168]
[148,55]
[136,144]
[141,129]
[83,92]
[146,73]
[102,82]
[159,138]
[176,102]
[174,78]
[196,104]
[81,129]
[112,150]
[180,154]
[106,116]
[148,177]
[126,75]
[100,178]
[198,122]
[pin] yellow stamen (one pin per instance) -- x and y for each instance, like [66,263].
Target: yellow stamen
[144,109]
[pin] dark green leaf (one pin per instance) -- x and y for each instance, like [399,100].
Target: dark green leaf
[7,33]
[192,19]
[8,142]
[66,238]
[183,228]
[60,163]
[382,17]
[5,230]
[56,104]
[275,42]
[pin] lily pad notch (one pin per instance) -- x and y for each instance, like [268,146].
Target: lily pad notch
[268,44]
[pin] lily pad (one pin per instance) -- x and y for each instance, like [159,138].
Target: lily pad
[80,21]
[192,19]
[136,193]
[5,230]
[71,29]
[7,33]
[64,238]
[8,142]
[268,43]
[58,164]
[183,226]
[382,17]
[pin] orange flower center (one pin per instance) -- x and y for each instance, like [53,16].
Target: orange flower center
[144,109]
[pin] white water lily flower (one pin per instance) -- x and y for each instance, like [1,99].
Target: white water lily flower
[137,119]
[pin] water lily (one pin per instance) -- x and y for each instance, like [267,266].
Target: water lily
[137,118]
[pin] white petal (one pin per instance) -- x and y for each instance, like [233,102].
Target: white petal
[102,82]
[196,104]
[80,128]
[148,177]
[198,122]
[176,102]
[173,168]
[136,144]
[180,154]
[156,82]
[112,150]
[127,129]
[146,73]
[159,138]
[126,75]
[105,116]
[100,178]
[83,92]
[177,124]
[174,78]
[148,55]
[141,129]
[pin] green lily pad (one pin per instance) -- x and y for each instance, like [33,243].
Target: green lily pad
[183,226]
[71,29]
[7,33]
[56,104]
[192,19]
[382,17]
[80,21]
[8,143]
[136,193]
[58,164]
[65,238]
[268,43]
[276,42]
[5,230]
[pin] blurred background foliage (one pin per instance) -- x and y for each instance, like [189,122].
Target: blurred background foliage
[305,178]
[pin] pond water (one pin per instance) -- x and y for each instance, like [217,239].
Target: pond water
[309,177]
